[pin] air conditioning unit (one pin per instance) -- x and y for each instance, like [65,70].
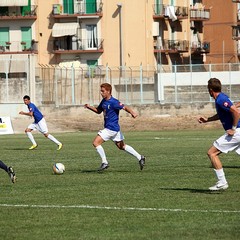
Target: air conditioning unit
[57,9]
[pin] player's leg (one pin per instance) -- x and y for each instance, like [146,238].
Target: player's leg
[122,146]
[224,144]
[213,153]
[42,127]
[9,170]
[28,131]
[97,143]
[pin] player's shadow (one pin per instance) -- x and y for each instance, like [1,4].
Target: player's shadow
[91,171]
[10,149]
[192,190]
[231,166]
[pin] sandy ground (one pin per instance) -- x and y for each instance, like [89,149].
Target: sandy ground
[141,123]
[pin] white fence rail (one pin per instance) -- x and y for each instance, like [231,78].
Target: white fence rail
[48,85]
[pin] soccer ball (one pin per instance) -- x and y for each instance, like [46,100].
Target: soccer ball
[58,168]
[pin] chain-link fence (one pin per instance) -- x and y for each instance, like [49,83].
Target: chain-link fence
[62,86]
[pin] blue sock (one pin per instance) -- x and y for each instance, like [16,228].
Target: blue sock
[3,166]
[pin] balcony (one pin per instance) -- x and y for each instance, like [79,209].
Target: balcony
[199,14]
[18,13]
[81,9]
[236,32]
[171,46]
[161,11]
[200,47]
[14,47]
[66,45]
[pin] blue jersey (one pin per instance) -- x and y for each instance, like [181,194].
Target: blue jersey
[223,104]
[36,113]
[110,109]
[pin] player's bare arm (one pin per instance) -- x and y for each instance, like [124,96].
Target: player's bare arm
[237,104]
[30,114]
[129,110]
[235,114]
[209,119]
[92,108]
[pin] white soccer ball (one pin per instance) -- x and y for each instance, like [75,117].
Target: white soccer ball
[58,168]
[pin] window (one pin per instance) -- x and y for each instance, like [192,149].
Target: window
[68,6]
[26,37]
[4,36]
[92,36]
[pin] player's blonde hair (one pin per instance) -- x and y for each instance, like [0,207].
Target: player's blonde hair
[107,86]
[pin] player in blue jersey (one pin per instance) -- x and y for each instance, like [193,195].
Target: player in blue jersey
[110,107]
[9,171]
[228,114]
[38,124]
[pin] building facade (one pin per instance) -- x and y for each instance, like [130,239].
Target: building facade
[117,33]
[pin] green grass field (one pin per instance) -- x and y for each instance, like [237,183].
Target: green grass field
[169,199]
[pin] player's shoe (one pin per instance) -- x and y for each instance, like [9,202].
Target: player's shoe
[33,147]
[12,174]
[142,162]
[60,146]
[219,186]
[103,166]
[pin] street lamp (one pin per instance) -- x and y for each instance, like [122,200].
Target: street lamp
[119,5]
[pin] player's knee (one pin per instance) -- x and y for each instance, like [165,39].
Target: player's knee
[120,146]
[211,154]
[45,134]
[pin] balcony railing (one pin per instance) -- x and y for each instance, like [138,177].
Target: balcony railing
[18,12]
[236,32]
[61,45]
[171,12]
[18,46]
[199,14]
[172,46]
[201,47]
[80,8]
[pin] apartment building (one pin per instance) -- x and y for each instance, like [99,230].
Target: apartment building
[236,28]
[220,31]
[117,33]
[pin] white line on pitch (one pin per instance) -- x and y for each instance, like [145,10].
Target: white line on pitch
[119,208]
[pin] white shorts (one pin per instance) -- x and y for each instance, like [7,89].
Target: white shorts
[41,126]
[107,134]
[227,143]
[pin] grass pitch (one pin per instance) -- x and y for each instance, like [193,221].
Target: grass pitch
[169,199]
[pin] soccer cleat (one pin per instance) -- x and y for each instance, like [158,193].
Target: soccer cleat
[60,146]
[219,186]
[12,174]
[33,147]
[103,166]
[142,162]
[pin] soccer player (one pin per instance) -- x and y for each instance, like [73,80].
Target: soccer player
[38,124]
[9,171]
[228,114]
[110,107]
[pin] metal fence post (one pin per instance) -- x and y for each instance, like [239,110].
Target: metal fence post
[175,77]
[73,84]
[141,83]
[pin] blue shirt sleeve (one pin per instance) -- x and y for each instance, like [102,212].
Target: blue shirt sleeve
[225,103]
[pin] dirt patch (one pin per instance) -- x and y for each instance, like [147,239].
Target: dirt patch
[127,124]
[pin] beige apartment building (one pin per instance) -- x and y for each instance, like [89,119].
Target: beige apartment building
[120,32]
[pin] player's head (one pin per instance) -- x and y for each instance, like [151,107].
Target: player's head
[106,90]
[26,99]
[214,85]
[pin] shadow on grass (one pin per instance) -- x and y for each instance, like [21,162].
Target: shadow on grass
[11,149]
[231,166]
[92,171]
[193,190]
